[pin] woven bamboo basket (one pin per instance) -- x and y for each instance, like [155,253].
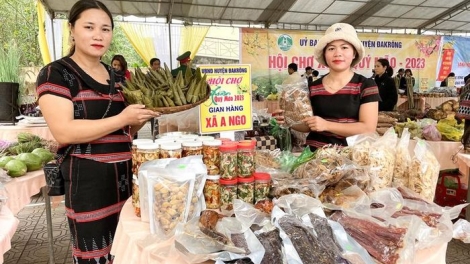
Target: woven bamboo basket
[180,108]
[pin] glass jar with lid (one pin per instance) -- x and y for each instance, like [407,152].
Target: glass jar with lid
[211,156]
[228,193]
[204,138]
[136,142]
[246,189]
[212,192]
[135,196]
[192,148]
[170,150]
[146,152]
[228,161]
[262,185]
[245,159]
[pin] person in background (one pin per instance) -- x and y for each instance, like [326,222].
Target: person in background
[463,113]
[444,82]
[308,72]
[373,74]
[466,79]
[119,64]
[397,79]
[403,84]
[155,64]
[315,74]
[344,103]
[84,112]
[294,76]
[184,60]
[387,90]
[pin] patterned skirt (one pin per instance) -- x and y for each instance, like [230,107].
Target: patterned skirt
[94,195]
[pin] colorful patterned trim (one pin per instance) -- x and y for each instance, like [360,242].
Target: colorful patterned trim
[93,254]
[53,88]
[105,158]
[370,91]
[349,89]
[112,139]
[94,215]
[342,120]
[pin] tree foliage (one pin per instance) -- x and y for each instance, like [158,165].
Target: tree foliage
[19,23]
[121,45]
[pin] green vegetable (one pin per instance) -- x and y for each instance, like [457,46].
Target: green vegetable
[44,154]
[33,162]
[4,160]
[16,168]
[25,137]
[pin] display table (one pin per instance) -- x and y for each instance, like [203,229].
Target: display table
[423,102]
[129,247]
[434,102]
[20,190]
[10,133]
[8,225]
[402,103]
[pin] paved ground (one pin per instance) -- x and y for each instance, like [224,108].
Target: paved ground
[30,246]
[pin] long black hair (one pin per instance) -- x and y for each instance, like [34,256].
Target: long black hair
[386,63]
[81,6]
[121,60]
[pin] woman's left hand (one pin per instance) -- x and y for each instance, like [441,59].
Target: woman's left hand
[316,123]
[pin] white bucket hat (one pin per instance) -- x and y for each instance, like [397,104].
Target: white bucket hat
[339,31]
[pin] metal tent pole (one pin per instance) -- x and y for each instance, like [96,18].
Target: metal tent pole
[53,40]
[171,51]
[50,237]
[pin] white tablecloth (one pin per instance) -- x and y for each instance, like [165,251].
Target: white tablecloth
[20,190]
[129,247]
[10,133]
[8,225]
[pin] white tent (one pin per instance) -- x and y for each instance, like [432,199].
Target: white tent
[422,16]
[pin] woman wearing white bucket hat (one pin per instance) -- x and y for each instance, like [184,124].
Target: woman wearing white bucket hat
[344,103]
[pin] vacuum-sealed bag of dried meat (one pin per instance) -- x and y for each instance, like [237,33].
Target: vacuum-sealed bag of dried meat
[300,242]
[386,243]
[222,238]
[431,224]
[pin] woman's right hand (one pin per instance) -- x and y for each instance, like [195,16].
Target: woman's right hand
[278,114]
[136,114]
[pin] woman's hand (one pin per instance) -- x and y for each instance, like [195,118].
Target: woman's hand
[316,123]
[278,114]
[136,114]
